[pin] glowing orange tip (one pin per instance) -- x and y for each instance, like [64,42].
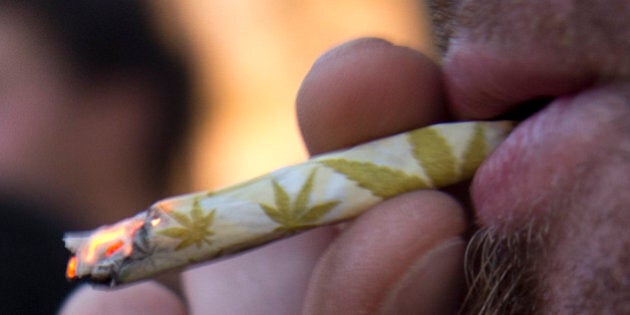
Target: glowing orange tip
[113,248]
[71,271]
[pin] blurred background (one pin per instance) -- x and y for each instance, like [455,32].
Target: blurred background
[250,58]
[109,105]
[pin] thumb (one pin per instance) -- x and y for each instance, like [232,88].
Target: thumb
[405,256]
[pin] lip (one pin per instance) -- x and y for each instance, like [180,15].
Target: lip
[527,173]
[483,83]
[540,160]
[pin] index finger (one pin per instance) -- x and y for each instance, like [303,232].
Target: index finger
[367,89]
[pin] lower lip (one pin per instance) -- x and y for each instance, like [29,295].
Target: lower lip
[533,165]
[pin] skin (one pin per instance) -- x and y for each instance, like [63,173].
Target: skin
[550,203]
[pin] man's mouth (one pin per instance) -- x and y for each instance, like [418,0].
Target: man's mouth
[544,157]
[551,202]
[564,119]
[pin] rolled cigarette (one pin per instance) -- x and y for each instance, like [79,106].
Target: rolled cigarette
[193,228]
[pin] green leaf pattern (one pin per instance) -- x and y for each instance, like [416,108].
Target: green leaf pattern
[429,148]
[382,181]
[475,152]
[296,215]
[433,154]
[194,229]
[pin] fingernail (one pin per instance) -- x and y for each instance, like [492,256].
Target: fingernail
[433,284]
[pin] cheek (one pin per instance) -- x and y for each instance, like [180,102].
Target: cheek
[587,266]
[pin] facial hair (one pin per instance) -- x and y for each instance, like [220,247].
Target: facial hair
[500,271]
[573,260]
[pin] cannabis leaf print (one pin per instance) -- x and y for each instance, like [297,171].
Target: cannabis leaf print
[475,152]
[382,181]
[431,151]
[435,155]
[194,229]
[296,215]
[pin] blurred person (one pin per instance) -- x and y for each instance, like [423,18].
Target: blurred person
[92,110]
[551,203]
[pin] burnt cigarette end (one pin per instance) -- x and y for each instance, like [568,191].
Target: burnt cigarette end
[98,255]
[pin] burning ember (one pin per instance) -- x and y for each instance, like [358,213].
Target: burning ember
[71,271]
[94,250]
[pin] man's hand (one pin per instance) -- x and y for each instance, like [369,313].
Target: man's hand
[404,255]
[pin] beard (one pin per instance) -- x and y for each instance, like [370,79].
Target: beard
[575,259]
[500,270]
